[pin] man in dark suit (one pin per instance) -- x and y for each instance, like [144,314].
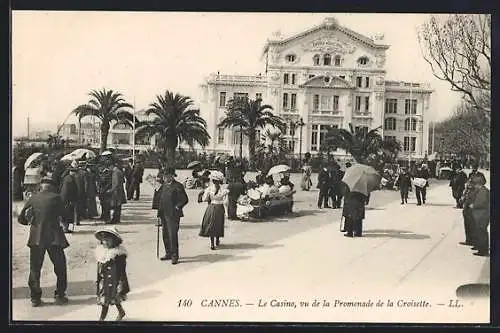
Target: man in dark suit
[457,184]
[475,172]
[69,196]
[173,198]
[137,174]
[116,192]
[128,179]
[421,192]
[323,186]
[80,179]
[44,212]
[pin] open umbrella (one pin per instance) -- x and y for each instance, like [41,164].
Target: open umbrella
[79,154]
[193,164]
[362,178]
[278,169]
[31,159]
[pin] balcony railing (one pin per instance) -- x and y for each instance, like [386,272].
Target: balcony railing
[326,112]
[237,78]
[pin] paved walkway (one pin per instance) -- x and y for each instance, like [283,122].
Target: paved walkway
[409,256]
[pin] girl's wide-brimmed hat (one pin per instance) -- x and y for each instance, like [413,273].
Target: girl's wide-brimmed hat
[108,231]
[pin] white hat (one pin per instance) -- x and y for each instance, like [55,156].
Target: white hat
[105,153]
[216,175]
[74,164]
[110,231]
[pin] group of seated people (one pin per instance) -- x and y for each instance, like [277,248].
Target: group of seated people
[269,188]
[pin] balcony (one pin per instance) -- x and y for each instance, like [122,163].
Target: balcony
[362,114]
[237,79]
[326,112]
[290,111]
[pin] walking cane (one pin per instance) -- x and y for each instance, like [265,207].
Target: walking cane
[158,238]
[341,224]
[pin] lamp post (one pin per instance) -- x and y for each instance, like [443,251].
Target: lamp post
[301,124]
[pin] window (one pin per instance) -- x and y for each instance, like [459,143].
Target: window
[285,101]
[413,143]
[357,106]
[326,103]
[220,136]
[311,76]
[238,95]
[413,103]
[316,60]
[327,60]
[285,78]
[314,138]
[390,124]
[293,78]
[361,129]
[342,77]
[335,102]
[411,122]
[406,143]
[337,61]
[322,133]
[293,101]
[236,137]
[363,61]
[359,81]
[389,138]
[222,99]
[367,103]
[367,82]
[391,105]
[315,102]
[258,96]
[290,58]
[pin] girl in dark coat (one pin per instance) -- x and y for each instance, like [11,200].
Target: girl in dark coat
[354,213]
[112,283]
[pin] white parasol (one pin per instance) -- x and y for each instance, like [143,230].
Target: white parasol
[31,159]
[278,169]
[78,154]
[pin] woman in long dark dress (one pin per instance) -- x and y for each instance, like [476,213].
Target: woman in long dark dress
[213,221]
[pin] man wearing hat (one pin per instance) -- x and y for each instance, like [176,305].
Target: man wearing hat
[80,179]
[173,198]
[69,196]
[44,212]
[137,174]
[480,212]
[103,187]
[128,178]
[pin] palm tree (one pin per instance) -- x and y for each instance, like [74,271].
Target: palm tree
[175,121]
[360,143]
[54,141]
[108,106]
[249,116]
[277,144]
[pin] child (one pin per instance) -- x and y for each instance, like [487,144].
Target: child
[112,283]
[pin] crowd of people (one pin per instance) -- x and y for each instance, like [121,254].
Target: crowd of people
[69,193]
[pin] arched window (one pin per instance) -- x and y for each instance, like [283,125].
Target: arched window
[327,60]
[363,61]
[337,61]
[316,60]
[390,124]
[413,122]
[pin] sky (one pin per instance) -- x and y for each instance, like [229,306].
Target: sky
[59,57]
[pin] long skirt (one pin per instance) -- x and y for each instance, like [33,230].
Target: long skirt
[306,182]
[213,221]
[91,207]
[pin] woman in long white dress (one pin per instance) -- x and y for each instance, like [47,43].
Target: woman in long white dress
[213,221]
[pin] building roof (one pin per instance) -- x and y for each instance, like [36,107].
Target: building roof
[329,23]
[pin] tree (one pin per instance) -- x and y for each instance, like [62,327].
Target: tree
[248,116]
[107,106]
[175,121]
[275,143]
[458,50]
[466,132]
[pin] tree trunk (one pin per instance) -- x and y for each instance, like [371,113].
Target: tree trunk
[251,147]
[104,138]
[170,147]
[241,142]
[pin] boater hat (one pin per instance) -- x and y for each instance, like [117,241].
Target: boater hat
[109,231]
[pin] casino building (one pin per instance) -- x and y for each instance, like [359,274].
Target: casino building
[328,75]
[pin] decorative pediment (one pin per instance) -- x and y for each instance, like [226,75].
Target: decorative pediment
[326,43]
[323,81]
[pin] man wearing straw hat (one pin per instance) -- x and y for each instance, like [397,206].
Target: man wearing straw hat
[44,212]
[173,198]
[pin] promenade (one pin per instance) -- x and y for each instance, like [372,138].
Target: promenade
[409,255]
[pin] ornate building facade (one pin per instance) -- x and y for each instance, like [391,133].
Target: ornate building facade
[326,76]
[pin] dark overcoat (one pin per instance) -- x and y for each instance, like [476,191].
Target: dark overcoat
[403,182]
[481,205]
[69,190]
[117,192]
[173,198]
[457,184]
[43,212]
[354,206]
[112,282]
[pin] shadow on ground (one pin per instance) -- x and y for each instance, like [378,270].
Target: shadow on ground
[76,288]
[246,246]
[91,232]
[439,204]
[392,233]
[210,258]
[290,216]
[473,290]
